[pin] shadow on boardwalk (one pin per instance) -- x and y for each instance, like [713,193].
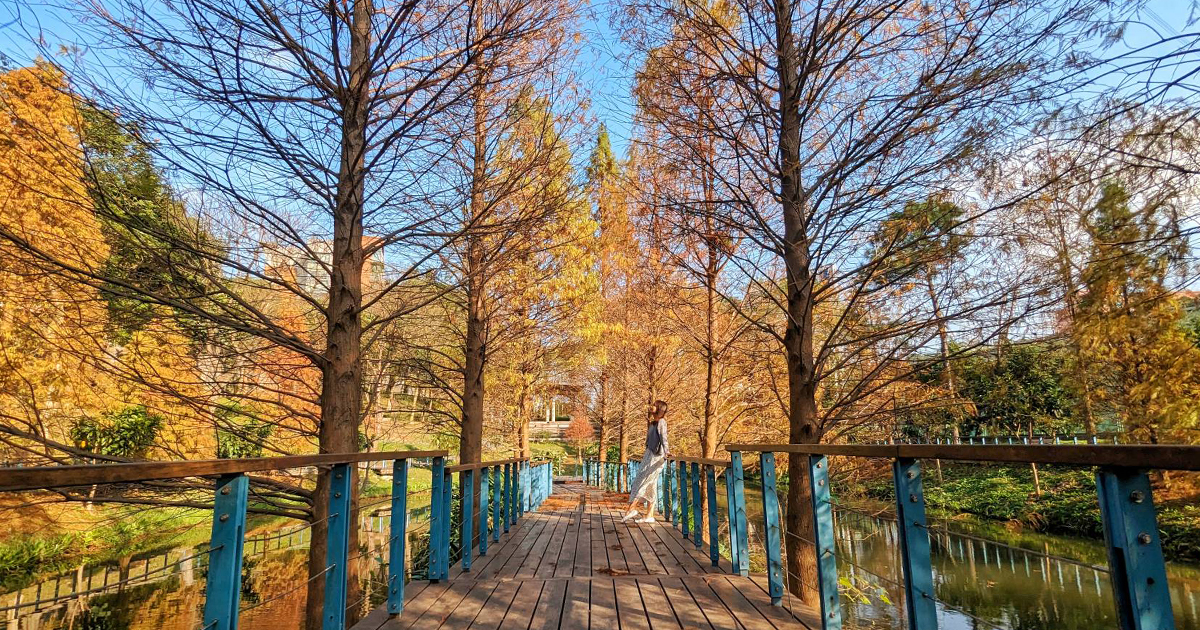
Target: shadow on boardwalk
[574,565]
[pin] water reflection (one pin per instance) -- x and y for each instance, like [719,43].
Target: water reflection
[1021,583]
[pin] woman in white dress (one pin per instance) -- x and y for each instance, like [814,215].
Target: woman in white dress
[645,485]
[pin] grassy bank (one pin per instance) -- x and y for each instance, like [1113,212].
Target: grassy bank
[1066,505]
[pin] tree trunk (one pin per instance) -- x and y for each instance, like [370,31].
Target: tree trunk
[341,375]
[602,439]
[798,342]
[708,434]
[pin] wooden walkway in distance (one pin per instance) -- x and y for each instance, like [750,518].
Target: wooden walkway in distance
[573,565]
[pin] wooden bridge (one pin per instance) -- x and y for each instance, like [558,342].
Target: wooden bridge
[574,564]
[549,553]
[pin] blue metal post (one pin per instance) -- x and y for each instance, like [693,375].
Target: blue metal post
[497,499]
[526,485]
[731,518]
[399,537]
[914,545]
[512,493]
[1135,557]
[697,506]
[822,508]
[337,548]
[223,592]
[506,493]
[683,498]
[437,547]
[741,565]
[484,486]
[771,529]
[447,501]
[714,545]
[468,504]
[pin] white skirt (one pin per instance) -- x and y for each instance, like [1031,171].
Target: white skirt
[645,484]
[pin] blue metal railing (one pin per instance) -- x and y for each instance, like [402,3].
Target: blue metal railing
[1136,562]
[525,485]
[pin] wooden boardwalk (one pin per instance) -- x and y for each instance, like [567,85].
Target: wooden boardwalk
[574,565]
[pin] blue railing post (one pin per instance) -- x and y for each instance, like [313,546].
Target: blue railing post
[484,487]
[337,547]
[771,528]
[742,564]
[437,547]
[447,502]
[664,478]
[506,493]
[468,507]
[512,493]
[697,507]
[683,498]
[497,500]
[914,545]
[822,509]
[731,518]
[223,592]
[714,545]
[526,485]
[399,537]
[1135,557]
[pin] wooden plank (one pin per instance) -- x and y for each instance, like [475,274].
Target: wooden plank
[632,554]
[657,536]
[463,615]
[617,556]
[539,534]
[438,610]
[37,477]
[631,611]
[601,565]
[496,607]
[721,617]
[498,553]
[748,615]
[521,611]
[548,613]
[415,607]
[603,606]
[686,610]
[659,612]
[564,566]
[684,552]
[379,616]
[649,553]
[583,545]
[761,599]
[576,605]
[544,566]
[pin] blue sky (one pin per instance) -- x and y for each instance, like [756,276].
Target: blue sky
[605,64]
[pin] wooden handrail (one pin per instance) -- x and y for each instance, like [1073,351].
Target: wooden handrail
[478,465]
[36,478]
[705,461]
[1162,457]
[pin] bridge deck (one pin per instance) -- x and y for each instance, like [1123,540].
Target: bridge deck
[573,564]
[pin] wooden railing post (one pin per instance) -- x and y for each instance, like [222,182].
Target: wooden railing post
[468,518]
[742,565]
[399,537]
[714,545]
[223,592]
[484,487]
[337,547]
[437,547]
[822,509]
[697,506]
[1135,557]
[772,533]
[914,545]
[497,499]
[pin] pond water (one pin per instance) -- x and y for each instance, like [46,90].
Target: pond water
[984,575]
